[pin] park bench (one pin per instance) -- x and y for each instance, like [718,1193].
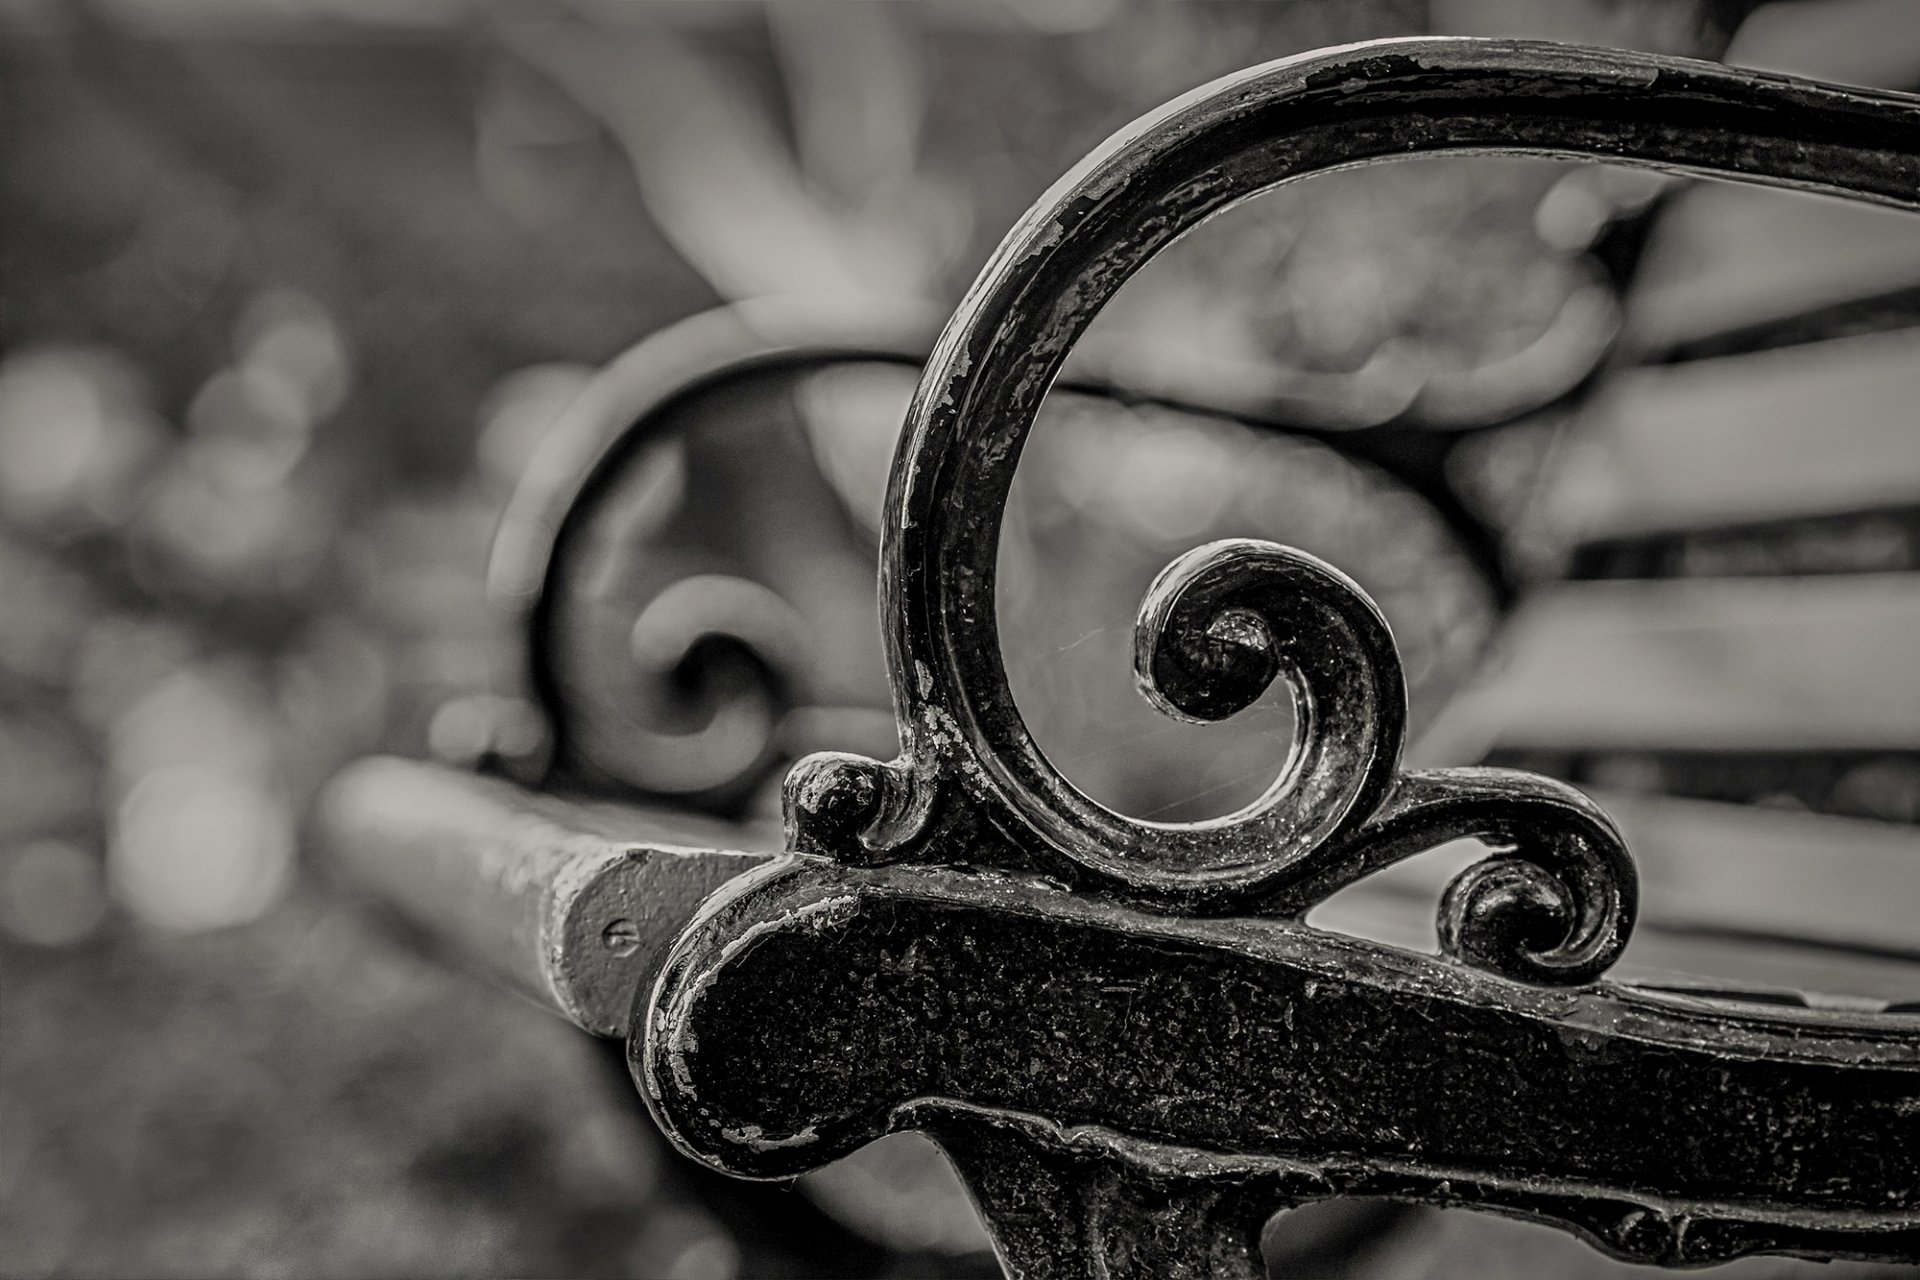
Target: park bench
[1123,1033]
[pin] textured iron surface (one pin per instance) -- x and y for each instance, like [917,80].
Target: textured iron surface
[820,1008]
[1121,1030]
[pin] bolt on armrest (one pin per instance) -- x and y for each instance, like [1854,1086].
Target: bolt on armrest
[570,903]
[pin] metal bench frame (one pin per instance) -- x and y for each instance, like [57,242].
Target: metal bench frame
[1123,1032]
[1119,1030]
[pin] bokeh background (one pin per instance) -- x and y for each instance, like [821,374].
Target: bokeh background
[293,289]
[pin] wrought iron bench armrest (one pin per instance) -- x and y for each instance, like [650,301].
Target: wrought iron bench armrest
[1123,1031]
[994,1006]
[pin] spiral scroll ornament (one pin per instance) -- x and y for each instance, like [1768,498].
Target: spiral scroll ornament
[1553,905]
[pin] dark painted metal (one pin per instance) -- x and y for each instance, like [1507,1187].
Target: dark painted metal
[1122,1031]
[1090,1046]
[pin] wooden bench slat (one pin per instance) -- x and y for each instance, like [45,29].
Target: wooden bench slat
[1739,664]
[1807,431]
[1728,255]
[1874,540]
[1879,312]
[1848,41]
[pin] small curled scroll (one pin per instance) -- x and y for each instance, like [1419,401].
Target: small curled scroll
[1516,916]
[1555,903]
[1217,628]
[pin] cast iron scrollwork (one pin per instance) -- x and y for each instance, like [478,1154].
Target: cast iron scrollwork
[1120,1029]
[1217,628]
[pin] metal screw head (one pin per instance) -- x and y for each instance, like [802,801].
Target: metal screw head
[621,936]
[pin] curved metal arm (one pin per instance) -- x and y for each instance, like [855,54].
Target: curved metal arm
[1130,1091]
[1159,178]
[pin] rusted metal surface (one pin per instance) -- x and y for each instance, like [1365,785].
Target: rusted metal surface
[1122,1031]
